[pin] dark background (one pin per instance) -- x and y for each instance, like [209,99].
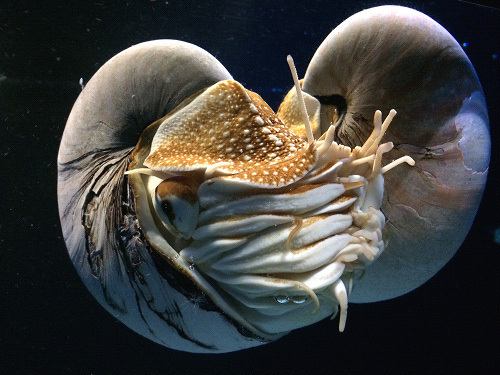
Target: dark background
[49,323]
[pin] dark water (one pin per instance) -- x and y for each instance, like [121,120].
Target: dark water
[51,324]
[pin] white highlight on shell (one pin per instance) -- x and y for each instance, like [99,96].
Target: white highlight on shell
[273,138]
[253,108]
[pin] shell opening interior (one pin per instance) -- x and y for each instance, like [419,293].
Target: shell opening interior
[275,230]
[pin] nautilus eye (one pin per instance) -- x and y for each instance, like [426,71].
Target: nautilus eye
[185,186]
[177,206]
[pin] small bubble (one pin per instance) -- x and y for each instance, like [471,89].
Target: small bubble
[494,56]
[282,299]
[465,44]
[298,299]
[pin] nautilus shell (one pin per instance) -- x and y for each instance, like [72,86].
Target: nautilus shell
[207,222]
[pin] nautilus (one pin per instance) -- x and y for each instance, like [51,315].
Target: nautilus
[207,222]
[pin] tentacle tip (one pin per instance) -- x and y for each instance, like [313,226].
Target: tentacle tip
[342,318]
[341,326]
[316,303]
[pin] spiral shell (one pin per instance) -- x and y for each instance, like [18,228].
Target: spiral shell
[207,223]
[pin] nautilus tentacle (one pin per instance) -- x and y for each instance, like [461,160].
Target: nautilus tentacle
[394,57]
[283,223]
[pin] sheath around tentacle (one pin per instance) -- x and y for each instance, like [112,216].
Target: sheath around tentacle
[394,57]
